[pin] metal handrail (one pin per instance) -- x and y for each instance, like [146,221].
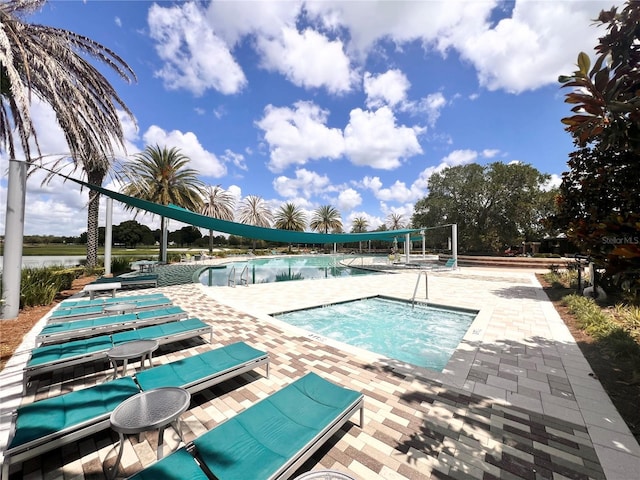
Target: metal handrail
[244,276]
[231,279]
[426,286]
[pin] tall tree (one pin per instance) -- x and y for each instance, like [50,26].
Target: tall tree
[132,233]
[326,218]
[359,225]
[395,221]
[218,203]
[493,205]
[598,205]
[254,211]
[52,64]
[290,217]
[160,175]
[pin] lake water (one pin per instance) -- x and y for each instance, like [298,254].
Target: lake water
[49,260]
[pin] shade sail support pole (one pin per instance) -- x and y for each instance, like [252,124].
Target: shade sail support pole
[13,238]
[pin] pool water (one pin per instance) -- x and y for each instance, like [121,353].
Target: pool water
[422,335]
[280,269]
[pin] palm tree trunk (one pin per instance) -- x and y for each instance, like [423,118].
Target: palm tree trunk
[92,229]
[210,241]
[95,176]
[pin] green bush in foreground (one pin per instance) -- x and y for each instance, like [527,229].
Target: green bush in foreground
[121,264]
[39,285]
[615,334]
[562,278]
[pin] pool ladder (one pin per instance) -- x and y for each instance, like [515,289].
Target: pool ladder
[426,287]
[244,276]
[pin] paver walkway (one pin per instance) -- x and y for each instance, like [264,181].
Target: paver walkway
[516,401]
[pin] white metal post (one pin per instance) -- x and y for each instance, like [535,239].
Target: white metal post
[454,244]
[407,239]
[13,238]
[107,237]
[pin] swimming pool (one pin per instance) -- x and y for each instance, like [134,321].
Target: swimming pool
[280,269]
[423,335]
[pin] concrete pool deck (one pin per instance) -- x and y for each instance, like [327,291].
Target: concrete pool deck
[516,400]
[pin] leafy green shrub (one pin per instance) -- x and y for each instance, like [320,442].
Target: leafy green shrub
[173,257]
[39,286]
[121,264]
[629,316]
[65,278]
[562,278]
[613,330]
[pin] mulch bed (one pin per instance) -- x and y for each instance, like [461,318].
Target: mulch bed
[13,330]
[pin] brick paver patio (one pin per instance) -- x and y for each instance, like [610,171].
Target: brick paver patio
[516,401]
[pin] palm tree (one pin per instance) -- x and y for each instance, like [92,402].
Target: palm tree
[395,221]
[254,211]
[218,203]
[51,64]
[160,175]
[96,167]
[290,217]
[359,225]
[326,218]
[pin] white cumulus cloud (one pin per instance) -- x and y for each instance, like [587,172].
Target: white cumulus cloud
[195,58]
[307,59]
[203,161]
[297,135]
[373,139]
[389,88]
[305,184]
[348,199]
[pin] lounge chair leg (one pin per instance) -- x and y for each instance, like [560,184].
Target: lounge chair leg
[362,416]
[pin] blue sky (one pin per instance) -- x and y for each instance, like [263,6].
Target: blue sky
[352,104]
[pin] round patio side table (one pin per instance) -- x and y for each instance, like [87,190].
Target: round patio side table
[324,475]
[149,410]
[129,350]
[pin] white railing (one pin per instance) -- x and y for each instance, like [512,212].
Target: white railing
[244,276]
[231,279]
[426,287]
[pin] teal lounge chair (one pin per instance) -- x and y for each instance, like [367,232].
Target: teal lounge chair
[269,440]
[79,313]
[53,422]
[65,331]
[50,423]
[57,356]
[450,264]
[103,301]
[195,373]
[166,333]
[133,281]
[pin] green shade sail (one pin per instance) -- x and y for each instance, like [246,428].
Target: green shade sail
[240,229]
